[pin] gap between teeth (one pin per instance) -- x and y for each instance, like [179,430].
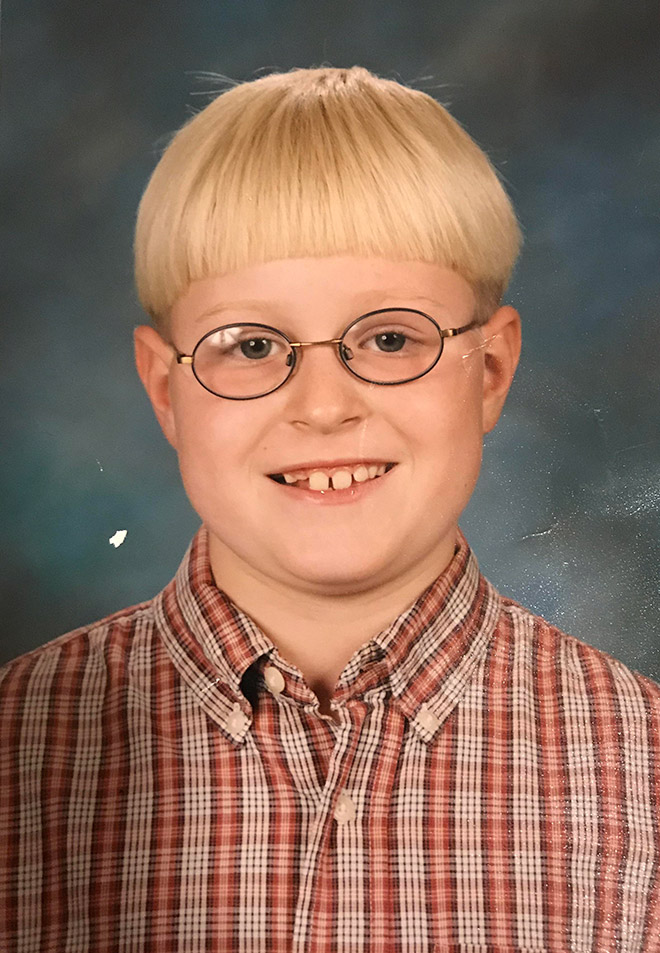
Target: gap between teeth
[340,479]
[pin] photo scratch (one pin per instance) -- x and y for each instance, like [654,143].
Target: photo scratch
[635,446]
[545,532]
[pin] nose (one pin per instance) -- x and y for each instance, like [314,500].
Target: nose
[322,394]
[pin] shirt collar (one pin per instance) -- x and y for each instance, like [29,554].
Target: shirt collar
[432,649]
[211,642]
[426,655]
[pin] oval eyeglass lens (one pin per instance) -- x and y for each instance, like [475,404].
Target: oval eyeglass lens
[392,346]
[242,360]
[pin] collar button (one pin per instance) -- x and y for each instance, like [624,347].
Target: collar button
[237,722]
[274,680]
[427,720]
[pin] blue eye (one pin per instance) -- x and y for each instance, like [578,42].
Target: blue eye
[256,348]
[390,341]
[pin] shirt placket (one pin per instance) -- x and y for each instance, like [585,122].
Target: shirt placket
[313,914]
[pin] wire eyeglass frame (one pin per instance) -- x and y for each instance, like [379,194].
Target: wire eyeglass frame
[343,352]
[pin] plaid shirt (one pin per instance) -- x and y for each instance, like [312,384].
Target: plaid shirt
[168,784]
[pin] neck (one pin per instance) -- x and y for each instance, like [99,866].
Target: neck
[317,632]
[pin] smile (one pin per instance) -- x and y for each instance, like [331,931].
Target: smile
[322,479]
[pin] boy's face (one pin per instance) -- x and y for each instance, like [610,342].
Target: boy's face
[399,526]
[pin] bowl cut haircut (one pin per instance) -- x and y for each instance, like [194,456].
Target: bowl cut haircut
[322,162]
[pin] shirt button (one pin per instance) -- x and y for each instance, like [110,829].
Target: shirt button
[237,721]
[345,810]
[274,680]
[427,719]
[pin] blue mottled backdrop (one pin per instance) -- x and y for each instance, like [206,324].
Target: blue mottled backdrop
[564,95]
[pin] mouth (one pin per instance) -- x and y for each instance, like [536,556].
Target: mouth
[322,479]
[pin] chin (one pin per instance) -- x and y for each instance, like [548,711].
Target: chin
[341,574]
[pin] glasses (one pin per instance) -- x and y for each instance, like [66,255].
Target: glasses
[389,346]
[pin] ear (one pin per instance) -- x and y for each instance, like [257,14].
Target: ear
[501,353]
[153,358]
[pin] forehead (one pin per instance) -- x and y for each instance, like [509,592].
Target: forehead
[309,293]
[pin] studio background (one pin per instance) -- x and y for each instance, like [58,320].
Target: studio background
[563,96]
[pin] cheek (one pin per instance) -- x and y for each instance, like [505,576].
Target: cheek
[448,435]
[450,410]
[210,437]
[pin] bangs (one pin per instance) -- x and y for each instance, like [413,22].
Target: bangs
[317,163]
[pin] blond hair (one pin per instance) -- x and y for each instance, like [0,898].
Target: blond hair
[319,162]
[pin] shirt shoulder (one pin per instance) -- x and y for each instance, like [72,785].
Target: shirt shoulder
[96,646]
[571,663]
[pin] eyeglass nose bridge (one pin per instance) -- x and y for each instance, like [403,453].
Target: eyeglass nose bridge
[290,358]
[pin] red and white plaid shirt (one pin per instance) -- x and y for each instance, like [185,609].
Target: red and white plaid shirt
[492,785]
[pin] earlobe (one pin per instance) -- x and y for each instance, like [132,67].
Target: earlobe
[502,342]
[153,359]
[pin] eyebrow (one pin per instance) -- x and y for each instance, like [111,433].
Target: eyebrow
[375,298]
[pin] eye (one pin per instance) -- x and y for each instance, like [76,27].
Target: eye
[256,348]
[241,344]
[389,341]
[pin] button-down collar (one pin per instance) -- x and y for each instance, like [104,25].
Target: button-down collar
[424,658]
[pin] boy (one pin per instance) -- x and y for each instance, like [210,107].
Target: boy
[329,732]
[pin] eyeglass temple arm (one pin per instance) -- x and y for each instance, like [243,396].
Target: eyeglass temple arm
[452,332]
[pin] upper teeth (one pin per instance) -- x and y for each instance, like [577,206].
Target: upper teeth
[341,479]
